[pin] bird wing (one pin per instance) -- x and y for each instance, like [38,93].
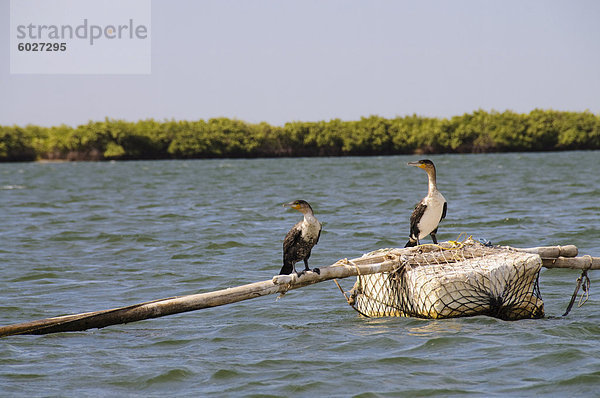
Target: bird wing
[415,217]
[444,211]
[290,242]
[318,236]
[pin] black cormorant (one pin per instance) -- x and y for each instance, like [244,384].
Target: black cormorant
[430,210]
[300,240]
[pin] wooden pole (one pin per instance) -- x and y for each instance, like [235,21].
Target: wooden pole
[563,257]
[385,262]
[175,305]
[552,251]
[585,262]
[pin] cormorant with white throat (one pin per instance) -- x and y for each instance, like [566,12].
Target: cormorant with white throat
[429,211]
[299,242]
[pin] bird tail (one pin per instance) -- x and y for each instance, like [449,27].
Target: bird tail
[287,269]
[411,243]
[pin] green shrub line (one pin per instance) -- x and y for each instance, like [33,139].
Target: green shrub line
[477,132]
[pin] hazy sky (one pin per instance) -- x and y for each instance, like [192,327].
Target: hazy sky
[279,61]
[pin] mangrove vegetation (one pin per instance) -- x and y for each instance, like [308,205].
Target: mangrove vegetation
[480,131]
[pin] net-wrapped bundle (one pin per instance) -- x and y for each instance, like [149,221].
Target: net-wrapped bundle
[453,280]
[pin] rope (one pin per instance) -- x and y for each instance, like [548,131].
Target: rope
[584,282]
[342,290]
[456,244]
[346,261]
[286,286]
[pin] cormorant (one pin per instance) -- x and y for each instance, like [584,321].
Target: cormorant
[429,211]
[300,240]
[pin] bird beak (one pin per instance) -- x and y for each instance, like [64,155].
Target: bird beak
[292,205]
[416,164]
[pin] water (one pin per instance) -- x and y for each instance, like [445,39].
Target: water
[78,237]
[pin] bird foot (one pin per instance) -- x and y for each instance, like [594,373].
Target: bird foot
[304,271]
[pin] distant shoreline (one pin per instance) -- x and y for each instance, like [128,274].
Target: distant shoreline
[477,132]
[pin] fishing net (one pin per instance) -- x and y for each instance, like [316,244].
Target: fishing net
[453,280]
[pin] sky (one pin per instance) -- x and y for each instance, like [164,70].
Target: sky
[307,60]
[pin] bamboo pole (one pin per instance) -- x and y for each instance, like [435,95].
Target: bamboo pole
[175,305]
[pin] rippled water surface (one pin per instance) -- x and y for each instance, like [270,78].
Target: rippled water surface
[78,237]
